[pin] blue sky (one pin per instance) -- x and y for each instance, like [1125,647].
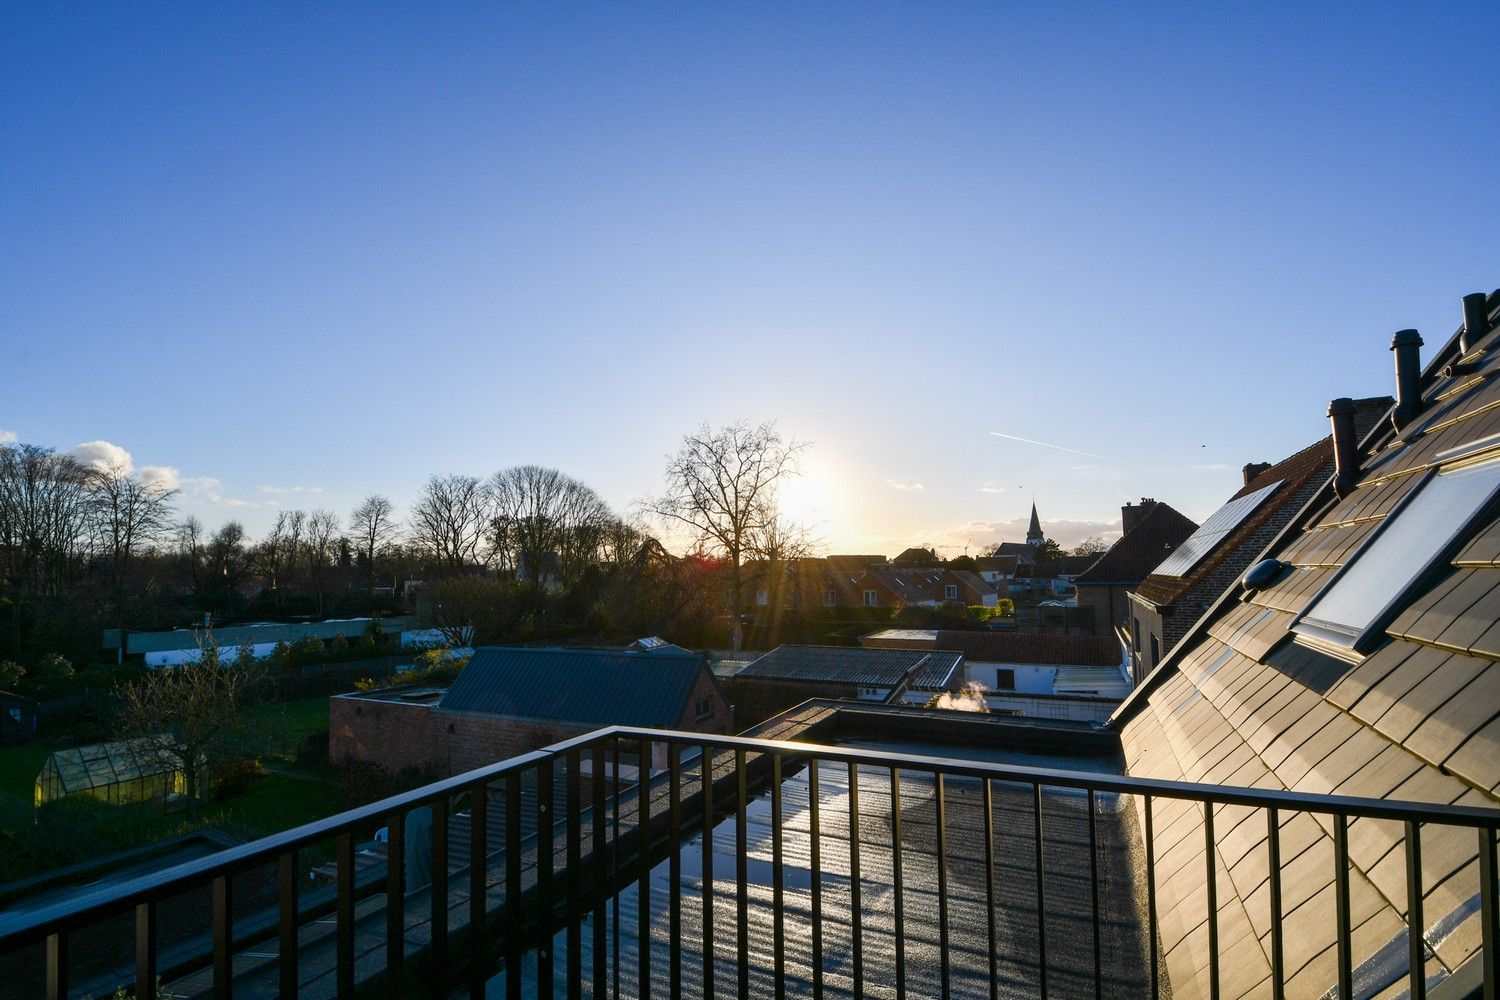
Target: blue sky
[341,249]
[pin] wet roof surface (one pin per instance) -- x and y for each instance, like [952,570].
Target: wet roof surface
[962,905]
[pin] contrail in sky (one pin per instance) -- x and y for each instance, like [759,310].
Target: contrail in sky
[1056,447]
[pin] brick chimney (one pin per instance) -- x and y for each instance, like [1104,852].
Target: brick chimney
[1132,514]
[1254,469]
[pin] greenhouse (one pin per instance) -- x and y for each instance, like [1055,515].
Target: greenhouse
[117,773]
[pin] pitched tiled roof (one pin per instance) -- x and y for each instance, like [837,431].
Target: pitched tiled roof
[917,557]
[588,686]
[1297,475]
[1313,463]
[996,564]
[1142,548]
[1246,701]
[855,665]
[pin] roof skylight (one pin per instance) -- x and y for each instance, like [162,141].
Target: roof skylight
[1417,536]
[1213,531]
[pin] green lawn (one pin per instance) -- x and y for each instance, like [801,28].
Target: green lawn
[289,795]
[19,766]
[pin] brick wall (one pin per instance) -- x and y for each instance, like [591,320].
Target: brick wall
[721,718]
[1110,606]
[394,735]
[398,736]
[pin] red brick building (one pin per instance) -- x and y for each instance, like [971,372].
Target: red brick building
[510,701]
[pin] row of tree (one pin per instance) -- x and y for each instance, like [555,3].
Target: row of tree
[86,545]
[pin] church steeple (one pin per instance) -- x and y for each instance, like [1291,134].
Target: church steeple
[1034,534]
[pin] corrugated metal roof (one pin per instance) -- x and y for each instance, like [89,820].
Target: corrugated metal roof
[587,686]
[853,665]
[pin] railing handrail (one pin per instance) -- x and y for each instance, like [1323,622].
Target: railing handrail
[89,905]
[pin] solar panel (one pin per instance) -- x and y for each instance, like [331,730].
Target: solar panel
[1213,531]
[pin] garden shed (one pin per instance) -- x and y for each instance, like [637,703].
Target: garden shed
[117,773]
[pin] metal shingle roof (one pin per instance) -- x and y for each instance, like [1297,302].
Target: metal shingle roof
[590,686]
[853,665]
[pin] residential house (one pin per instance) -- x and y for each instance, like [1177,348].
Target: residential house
[1360,657]
[1152,531]
[511,700]
[1185,584]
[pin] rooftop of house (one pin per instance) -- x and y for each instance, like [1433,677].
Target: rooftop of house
[1138,551]
[584,686]
[1367,665]
[1237,531]
[929,670]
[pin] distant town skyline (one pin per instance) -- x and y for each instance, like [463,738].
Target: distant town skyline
[290,257]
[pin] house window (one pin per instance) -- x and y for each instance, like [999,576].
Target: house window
[1005,679]
[950,592]
[830,597]
[1135,633]
[762,598]
[703,708]
[1418,535]
[869,598]
[1155,649]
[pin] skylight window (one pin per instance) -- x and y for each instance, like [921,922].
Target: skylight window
[1366,593]
[1213,531]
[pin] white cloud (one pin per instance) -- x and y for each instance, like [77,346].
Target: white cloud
[103,455]
[291,489]
[991,488]
[981,536]
[896,484]
[7,437]
[162,477]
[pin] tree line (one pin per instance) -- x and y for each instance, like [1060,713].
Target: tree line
[89,546]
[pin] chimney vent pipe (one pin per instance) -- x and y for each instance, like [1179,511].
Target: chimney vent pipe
[1476,321]
[1345,447]
[1407,346]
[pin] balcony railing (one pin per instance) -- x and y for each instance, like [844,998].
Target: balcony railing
[738,866]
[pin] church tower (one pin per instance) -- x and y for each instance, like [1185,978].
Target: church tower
[1034,536]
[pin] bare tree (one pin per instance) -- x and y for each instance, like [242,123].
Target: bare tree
[1090,546]
[228,561]
[189,718]
[189,535]
[721,485]
[450,519]
[44,516]
[373,526]
[542,514]
[127,513]
[322,537]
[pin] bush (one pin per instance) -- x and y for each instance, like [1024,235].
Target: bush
[339,645]
[234,777]
[54,667]
[305,651]
[11,672]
